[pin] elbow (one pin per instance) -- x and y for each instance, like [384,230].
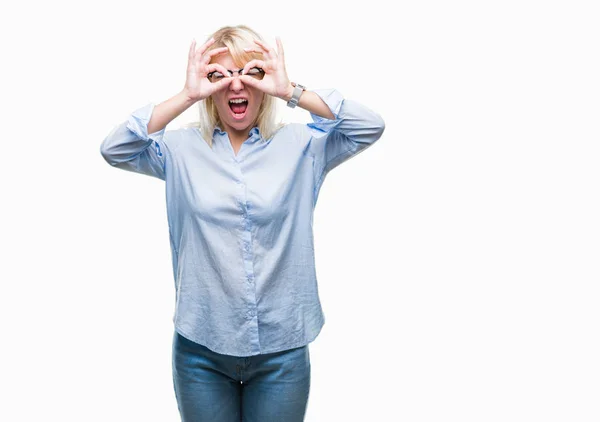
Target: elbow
[380,127]
[107,153]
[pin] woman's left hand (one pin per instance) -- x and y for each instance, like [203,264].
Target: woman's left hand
[275,82]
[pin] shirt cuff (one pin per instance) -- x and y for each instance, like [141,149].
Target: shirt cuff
[138,123]
[334,99]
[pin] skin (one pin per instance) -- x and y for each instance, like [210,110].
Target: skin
[238,130]
[275,82]
[198,87]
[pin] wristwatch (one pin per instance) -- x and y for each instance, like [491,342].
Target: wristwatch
[293,102]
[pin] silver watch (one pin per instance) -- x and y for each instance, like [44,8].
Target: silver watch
[293,102]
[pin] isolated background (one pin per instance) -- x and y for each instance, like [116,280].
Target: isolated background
[457,258]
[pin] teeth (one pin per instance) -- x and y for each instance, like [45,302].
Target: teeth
[238,100]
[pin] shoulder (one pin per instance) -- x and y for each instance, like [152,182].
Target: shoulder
[298,132]
[288,130]
[294,134]
[183,137]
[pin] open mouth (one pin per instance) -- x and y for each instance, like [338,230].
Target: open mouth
[238,108]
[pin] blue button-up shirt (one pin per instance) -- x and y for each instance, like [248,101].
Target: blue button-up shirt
[240,225]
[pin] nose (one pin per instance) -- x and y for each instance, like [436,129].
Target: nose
[236,84]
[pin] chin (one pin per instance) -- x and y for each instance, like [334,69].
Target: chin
[240,122]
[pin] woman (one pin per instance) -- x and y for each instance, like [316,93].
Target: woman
[240,194]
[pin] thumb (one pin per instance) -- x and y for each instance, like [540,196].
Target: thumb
[249,80]
[223,83]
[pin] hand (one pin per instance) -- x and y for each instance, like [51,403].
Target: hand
[275,82]
[197,86]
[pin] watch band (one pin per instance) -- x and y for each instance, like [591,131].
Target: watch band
[298,89]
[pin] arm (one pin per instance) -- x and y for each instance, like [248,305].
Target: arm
[129,144]
[168,110]
[138,144]
[311,102]
[341,129]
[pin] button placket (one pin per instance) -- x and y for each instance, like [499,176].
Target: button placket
[247,250]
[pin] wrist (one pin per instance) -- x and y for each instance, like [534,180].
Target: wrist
[187,98]
[288,94]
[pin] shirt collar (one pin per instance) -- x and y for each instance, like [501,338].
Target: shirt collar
[219,131]
[254,134]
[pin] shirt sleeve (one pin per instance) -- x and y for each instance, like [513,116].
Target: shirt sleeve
[354,129]
[129,146]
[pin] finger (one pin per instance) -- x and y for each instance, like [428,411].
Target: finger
[256,51]
[206,58]
[251,64]
[249,80]
[280,48]
[215,51]
[191,61]
[222,84]
[266,47]
[253,50]
[218,67]
[192,50]
[204,46]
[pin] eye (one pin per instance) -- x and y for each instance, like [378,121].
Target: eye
[256,73]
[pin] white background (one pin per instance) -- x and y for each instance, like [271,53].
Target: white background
[457,258]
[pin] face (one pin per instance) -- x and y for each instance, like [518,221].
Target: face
[241,122]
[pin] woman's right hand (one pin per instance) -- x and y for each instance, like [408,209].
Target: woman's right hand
[197,86]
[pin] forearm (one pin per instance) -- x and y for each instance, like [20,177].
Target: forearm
[355,127]
[168,110]
[312,103]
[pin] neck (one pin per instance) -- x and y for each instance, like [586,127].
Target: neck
[237,137]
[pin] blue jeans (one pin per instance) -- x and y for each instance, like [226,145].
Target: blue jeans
[213,387]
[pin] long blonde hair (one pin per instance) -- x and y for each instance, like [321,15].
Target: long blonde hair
[236,38]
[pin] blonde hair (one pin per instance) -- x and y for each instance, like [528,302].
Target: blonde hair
[236,38]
